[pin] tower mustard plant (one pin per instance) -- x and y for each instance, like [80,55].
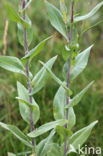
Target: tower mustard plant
[64,102]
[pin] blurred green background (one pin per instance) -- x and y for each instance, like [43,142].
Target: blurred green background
[91,106]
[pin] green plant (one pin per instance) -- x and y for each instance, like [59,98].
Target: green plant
[63,104]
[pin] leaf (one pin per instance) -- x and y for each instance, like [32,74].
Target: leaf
[25,102]
[90,14]
[35,51]
[56,20]
[40,146]
[81,63]
[14,16]
[63,132]
[79,96]
[26,6]
[56,79]
[12,64]
[59,103]
[47,144]
[11,154]
[71,118]
[54,150]
[42,76]
[21,36]
[16,132]
[25,110]
[81,136]
[46,127]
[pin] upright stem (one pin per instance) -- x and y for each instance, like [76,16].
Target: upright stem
[27,73]
[68,77]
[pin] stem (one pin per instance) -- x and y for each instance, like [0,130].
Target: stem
[27,73]
[68,79]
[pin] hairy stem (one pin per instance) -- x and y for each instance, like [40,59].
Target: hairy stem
[27,73]
[68,79]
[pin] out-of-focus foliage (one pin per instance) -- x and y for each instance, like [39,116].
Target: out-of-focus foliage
[93,109]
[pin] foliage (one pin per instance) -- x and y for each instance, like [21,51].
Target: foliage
[24,99]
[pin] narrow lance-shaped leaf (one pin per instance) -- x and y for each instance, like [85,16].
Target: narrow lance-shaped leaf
[16,132]
[24,102]
[15,17]
[12,64]
[54,150]
[42,76]
[46,127]
[59,103]
[21,37]
[11,154]
[90,14]
[81,63]
[47,144]
[79,96]
[56,19]
[26,6]
[81,136]
[35,51]
[71,118]
[56,78]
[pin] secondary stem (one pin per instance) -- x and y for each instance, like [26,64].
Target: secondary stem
[27,73]
[68,78]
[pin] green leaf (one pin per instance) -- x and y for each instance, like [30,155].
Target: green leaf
[11,154]
[15,17]
[81,136]
[47,144]
[12,64]
[56,78]
[42,76]
[56,20]
[54,150]
[79,96]
[26,6]
[40,147]
[90,14]
[25,110]
[63,132]
[35,51]
[16,132]
[71,118]
[46,127]
[59,103]
[21,36]
[81,63]
[25,102]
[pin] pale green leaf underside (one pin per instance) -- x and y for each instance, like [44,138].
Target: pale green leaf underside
[76,99]
[56,19]
[16,132]
[79,137]
[46,127]
[81,63]
[35,51]
[90,14]
[56,78]
[12,64]
[47,144]
[42,76]
[54,150]
[11,154]
[24,108]
[59,103]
